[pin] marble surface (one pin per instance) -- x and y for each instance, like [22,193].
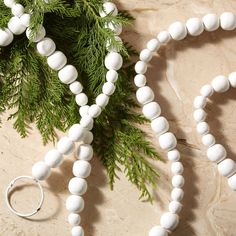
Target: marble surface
[176,75]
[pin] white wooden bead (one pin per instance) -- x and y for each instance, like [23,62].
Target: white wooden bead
[211,22]
[88,137]
[177,194]
[78,186]
[74,204]
[153,45]
[175,207]
[151,110]
[53,158]
[232,182]
[140,67]
[76,132]
[46,47]
[208,140]
[173,155]
[145,95]
[87,122]
[199,115]
[232,79]
[164,37]
[160,125]
[216,153]
[220,84]
[115,28]
[81,169]
[94,111]
[9,3]
[178,181]
[41,171]
[74,219]
[81,99]
[76,87]
[199,102]
[83,110]
[158,231]
[57,60]
[17,10]
[113,61]
[6,37]
[178,30]
[146,55]
[194,26]
[140,80]
[65,145]
[203,128]
[25,19]
[68,74]
[228,21]
[39,35]
[207,90]
[114,48]
[177,168]
[112,76]
[227,167]
[102,100]
[169,221]
[167,141]
[15,26]
[108,88]
[85,152]
[77,231]
[108,8]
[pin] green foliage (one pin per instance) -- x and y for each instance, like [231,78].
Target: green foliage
[34,92]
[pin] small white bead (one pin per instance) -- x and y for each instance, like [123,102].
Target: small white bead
[216,153]
[76,132]
[9,3]
[178,30]
[169,221]
[199,115]
[87,122]
[39,35]
[211,22]
[81,99]
[85,152]
[228,21]
[167,141]
[74,219]
[102,100]
[25,19]
[108,88]
[65,145]
[146,55]
[203,128]
[160,125]
[6,37]
[114,48]
[53,158]
[199,102]
[115,28]
[207,90]
[175,207]
[15,26]
[151,110]
[178,181]
[83,110]
[94,111]
[145,95]
[112,76]
[108,8]
[88,137]
[78,186]
[81,169]
[208,140]
[74,204]
[177,194]
[232,79]
[140,67]
[177,168]
[158,231]
[17,10]
[77,231]
[173,155]
[153,45]
[46,47]
[76,87]
[227,167]
[57,60]
[232,182]
[220,84]
[140,80]
[164,37]
[41,171]
[68,74]
[113,61]
[194,26]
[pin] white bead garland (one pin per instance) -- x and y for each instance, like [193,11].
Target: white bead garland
[57,60]
[178,30]
[194,26]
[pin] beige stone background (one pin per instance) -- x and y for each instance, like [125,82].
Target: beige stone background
[176,76]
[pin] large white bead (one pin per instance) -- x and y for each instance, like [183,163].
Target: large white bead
[113,61]
[146,55]
[114,48]
[81,169]
[74,219]
[68,74]
[116,28]
[153,45]
[9,3]
[203,128]
[178,181]
[211,22]
[173,155]
[157,231]
[87,122]
[53,158]
[76,87]
[151,110]
[41,171]
[232,79]
[77,186]
[160,125]
[177,168]
[102,100]
[220,84]
[227,167]
[108,8]
[177,194]
[81,99]
[108,88]
[76,132]
[88,137]
[164,37]
[199,115]
[17,10]
[15,26]
[83,110]
[206,90]
[112,76]
[228,21]
[145,95]
[178,30]
[94,110]
[65,145]
[46,47]
[39,35]
[216,153]
[85,152]
[140,80]
[77,231]
[140,67]
[199,102]
[6,37]
[74,204]
[175,207]
[57,60]
[232,182]
[25,19]
[208,140]
[194,26]
[167,141]
[169,221]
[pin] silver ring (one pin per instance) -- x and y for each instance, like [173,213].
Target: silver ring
[11,186]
